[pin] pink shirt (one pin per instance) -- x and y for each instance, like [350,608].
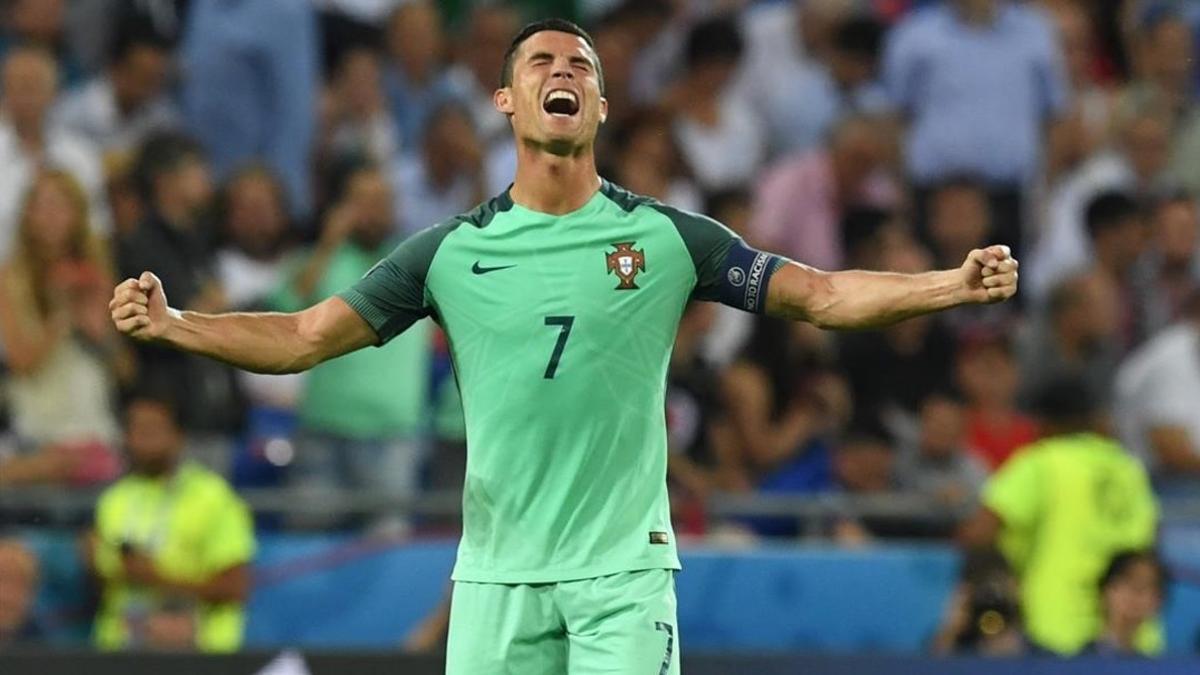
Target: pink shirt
[796,209]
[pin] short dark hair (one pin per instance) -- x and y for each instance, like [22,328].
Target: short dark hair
[133,34]
[1066,403]
[860,36]
[1124,560]
[1108,210]
[160,154]
[556,25]
[715,39]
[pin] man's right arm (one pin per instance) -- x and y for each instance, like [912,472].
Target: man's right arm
[264,342]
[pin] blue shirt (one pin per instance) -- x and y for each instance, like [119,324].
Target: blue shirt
[412,104]
[977,95]
[251,85]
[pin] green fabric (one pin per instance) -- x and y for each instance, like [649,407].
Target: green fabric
[193,526]
[1069,504]
[371,393]
[557,420]
[621,624]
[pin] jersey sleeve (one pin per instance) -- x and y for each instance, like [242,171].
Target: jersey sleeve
[1014,492]
[392,295]
[727,270]
[230,539]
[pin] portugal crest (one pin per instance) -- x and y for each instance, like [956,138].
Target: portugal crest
[626,262]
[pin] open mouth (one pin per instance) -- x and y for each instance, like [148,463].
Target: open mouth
[561,102]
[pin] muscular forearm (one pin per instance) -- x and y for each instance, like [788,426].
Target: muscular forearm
[261,342]
[857,299]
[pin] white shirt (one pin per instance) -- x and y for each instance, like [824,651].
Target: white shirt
[728,154]
[1159,385]
[91,111]
[63,150]
[1063,246]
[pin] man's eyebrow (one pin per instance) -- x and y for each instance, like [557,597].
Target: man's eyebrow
[539,55]
[580,59]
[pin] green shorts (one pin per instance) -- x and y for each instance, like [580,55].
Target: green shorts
[620,624]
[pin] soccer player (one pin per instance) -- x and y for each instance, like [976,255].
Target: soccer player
[560,298]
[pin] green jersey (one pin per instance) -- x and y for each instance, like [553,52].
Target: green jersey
[560,329]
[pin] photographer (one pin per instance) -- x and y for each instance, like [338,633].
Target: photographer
[983,617]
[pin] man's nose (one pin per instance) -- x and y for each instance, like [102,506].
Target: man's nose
[563,70]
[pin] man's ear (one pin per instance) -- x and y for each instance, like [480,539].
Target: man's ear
[502,99]
[603,109]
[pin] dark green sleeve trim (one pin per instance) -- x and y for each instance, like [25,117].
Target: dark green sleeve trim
[707,241]
[391,296]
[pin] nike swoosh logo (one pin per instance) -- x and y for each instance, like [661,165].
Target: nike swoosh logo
[479,269]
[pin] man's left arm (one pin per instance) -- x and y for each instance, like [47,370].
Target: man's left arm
[858,299]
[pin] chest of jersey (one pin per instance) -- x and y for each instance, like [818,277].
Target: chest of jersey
[535,301]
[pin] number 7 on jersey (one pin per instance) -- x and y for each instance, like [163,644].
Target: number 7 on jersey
[564,323]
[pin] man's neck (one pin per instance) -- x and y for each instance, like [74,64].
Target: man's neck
[978,14]
[29,134]
[554,184]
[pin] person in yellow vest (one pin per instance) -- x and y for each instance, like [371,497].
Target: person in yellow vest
[1060,509]
[172,545]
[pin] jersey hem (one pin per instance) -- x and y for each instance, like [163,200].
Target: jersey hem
[557,576]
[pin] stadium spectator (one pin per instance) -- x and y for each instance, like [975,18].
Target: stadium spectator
[414,76]
[919,352]
[785,74]
[19,581]
[175,186]
[447,172]
[1157,399]
[863,465]
[718,134]
[1059,509]
[1170,272]
[28,142]
[476,72]
[959,218]
[937,462]
[987,375]
[1164,49]
[1132,591]
[644,158]
[978,81]
[253,262]
[63,354]
[703,454]
[360,416]
[799,202]
[784,405]
[1086,126]
[1117,231]
[1135,166]
[41,24]
[118,109]
[171,545]
[225,104]
[1077,337]
[983,615]
[356,122]
[257,236]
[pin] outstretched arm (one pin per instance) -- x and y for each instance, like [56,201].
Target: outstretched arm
[265,342]
[857,299]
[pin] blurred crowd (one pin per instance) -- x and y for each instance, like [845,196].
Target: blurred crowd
[262,155]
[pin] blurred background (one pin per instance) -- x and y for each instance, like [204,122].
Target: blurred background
[1010,480]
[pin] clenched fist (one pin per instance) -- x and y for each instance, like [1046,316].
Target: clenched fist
[139,307]
[990,274]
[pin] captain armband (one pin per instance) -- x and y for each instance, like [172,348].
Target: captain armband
[744,277]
